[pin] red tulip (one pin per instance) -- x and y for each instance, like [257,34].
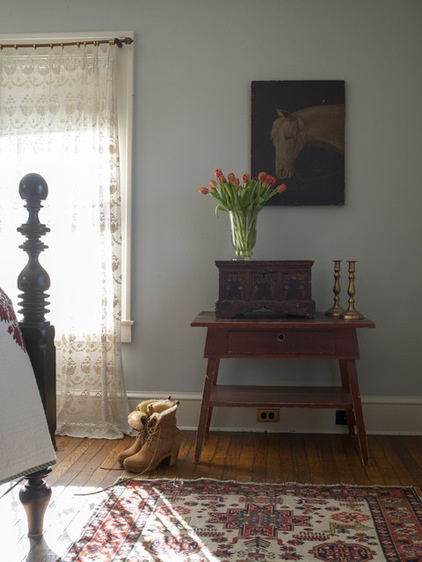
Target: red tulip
[262,176]
[282,188]
[231,177]
[212,185]
[246,178]
[203,190]
[220,176]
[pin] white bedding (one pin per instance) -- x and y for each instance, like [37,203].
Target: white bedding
[25,443]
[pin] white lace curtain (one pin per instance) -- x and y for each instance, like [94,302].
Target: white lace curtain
[58,118]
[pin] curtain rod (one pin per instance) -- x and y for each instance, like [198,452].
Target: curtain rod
[116,41]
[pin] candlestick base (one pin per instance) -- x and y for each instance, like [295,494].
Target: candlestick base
[336,311]
[352,315]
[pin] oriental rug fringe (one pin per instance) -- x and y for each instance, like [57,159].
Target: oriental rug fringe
[208,521]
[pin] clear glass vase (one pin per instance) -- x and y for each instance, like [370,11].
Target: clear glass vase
[243,229]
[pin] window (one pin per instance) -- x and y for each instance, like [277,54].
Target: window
[52,170]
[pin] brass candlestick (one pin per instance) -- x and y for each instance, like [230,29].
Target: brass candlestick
[352,313]
[336,309]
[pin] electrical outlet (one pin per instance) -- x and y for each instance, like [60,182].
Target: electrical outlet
[267,416]
[341,417]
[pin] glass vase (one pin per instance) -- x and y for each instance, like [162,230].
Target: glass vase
[243,229]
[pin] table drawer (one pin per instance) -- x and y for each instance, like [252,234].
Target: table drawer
[303,342]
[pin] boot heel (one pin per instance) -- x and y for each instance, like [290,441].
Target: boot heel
[173,457]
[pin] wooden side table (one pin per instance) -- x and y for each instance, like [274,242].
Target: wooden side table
[283,338]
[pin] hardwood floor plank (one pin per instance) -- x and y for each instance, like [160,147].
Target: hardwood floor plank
[382,455]
[404,459]
[314,460]
[258,457]
[286,457]
[245,456]
[272,468]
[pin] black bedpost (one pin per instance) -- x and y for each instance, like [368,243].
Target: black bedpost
[34,281]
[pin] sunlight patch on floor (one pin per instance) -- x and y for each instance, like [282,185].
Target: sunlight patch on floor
[65,519]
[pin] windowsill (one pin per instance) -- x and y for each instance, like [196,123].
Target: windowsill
[126,331]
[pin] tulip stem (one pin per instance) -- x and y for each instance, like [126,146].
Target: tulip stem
[243,228]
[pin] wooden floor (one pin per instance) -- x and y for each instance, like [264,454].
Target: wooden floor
[87,465]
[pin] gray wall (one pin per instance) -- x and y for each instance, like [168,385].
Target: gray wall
[194,62]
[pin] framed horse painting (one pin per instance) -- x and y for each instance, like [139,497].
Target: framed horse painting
[298,134]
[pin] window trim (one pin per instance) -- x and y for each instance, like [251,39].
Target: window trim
[125,108]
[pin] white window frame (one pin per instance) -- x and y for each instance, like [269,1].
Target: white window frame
[125,70]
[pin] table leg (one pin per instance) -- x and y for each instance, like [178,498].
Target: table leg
[206,410]
[350,418]
[350,371]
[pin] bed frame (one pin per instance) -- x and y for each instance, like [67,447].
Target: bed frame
[38,334]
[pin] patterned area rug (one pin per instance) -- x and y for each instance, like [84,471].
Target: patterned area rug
[208,521]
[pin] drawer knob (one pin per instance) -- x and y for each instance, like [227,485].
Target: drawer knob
[280,337]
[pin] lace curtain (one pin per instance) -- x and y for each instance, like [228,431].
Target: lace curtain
[58,118]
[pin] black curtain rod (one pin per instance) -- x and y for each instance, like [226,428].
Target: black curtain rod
[116,41]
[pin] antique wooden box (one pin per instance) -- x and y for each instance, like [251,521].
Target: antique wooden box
[263,288]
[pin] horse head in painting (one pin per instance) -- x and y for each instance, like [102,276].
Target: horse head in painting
[321,125]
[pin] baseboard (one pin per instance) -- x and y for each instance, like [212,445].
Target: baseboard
[389,415]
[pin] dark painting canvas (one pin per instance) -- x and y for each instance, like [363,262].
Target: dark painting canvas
[298,133]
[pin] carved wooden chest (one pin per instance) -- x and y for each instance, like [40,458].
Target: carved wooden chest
[264,288]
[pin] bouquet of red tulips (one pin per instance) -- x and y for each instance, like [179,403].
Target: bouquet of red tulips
[246,196]
[243,201]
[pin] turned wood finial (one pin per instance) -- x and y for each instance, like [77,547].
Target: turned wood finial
[33,280]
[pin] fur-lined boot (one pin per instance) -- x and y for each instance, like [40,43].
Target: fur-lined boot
[138,419]
[162,441]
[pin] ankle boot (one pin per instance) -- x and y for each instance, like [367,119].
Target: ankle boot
[138,419]
[163,440]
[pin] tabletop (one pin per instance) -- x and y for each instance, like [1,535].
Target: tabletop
[208,319]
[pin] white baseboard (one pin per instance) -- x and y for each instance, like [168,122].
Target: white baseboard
[389,415]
